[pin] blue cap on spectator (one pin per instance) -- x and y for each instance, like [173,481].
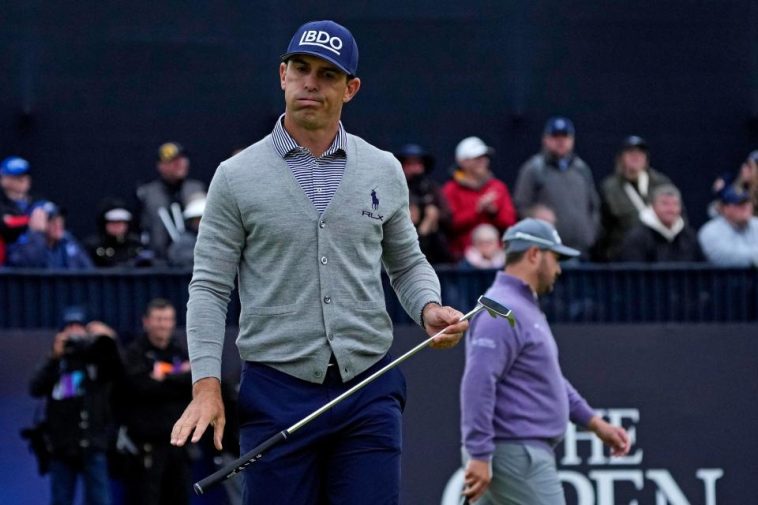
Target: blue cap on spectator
[753,156]
[559,125]
[634,142]
[73,314]
[13,165]
[732,195]
[415,151]
[327,40]
[532,232]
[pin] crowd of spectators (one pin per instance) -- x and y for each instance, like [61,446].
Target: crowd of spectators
[635,215]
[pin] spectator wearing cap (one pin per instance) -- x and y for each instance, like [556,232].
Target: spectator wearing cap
[745,180]
[475,195]
[662,235]
[429,210]
[731,238]
[48,244]
[625,194]
[115,243]
[77,379]
[485,251]
[181,252]
[515,401]
[558,178]
[16,204]
[171,186]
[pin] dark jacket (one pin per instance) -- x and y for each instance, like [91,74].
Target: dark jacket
[646,243]
[154,406]
[32,251]
[156,194]
[423,191]
[619,214]
[14,219]
[78,389]
[109,251]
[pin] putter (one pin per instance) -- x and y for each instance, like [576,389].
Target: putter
[233,468]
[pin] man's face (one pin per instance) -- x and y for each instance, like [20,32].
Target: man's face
[633,162]
[16,185]
[488,246]
[413,167]
[159,326]
[738,214]
[668,208]
[56,228]
[476,167]
[315,91]
[175,170]
[559,146]
[547,272]
[116,229]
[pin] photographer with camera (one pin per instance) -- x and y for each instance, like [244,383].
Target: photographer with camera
[76,380]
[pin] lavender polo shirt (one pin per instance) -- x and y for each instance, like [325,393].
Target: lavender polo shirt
[512,387]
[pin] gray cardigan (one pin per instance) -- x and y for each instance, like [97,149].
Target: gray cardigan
[309,285]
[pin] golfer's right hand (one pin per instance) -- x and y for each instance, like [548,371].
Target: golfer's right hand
[206,408]
[477,479]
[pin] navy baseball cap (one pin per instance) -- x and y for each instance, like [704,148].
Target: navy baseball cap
[731,195]
[327,40]
[415,151]
[73,314]
[532,232]
[634,142]
[559,125]
[753,156]
[13,165]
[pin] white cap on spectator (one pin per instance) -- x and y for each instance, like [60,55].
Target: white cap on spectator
[195,208]
[472,147]
[118,214]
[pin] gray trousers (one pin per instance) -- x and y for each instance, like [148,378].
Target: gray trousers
[523,474]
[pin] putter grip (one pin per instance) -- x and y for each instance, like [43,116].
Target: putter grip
[238,464]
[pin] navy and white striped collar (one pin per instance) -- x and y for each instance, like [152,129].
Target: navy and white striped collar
[285,144]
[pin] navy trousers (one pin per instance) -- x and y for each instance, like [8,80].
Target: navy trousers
[348,455]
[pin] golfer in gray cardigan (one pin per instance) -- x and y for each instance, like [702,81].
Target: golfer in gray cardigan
[306,218]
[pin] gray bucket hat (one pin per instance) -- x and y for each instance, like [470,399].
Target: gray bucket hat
[532,232]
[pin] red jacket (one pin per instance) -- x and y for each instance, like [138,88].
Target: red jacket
[462,200]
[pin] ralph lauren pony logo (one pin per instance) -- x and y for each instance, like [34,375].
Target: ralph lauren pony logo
[374,206]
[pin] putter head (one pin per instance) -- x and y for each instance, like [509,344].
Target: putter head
[496,309]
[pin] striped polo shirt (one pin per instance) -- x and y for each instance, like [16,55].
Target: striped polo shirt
[319,177]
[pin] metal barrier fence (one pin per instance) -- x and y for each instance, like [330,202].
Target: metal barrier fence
[585,293]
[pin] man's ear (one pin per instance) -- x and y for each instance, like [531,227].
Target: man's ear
[532,255]
[353,85]
[282,73]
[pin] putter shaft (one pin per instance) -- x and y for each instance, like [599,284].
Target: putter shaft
[495,309]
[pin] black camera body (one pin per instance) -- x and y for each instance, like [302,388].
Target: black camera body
[76,344]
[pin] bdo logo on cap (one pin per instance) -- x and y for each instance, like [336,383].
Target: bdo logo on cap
[321,39]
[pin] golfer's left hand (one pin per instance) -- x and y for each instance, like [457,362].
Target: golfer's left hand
[438,318]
